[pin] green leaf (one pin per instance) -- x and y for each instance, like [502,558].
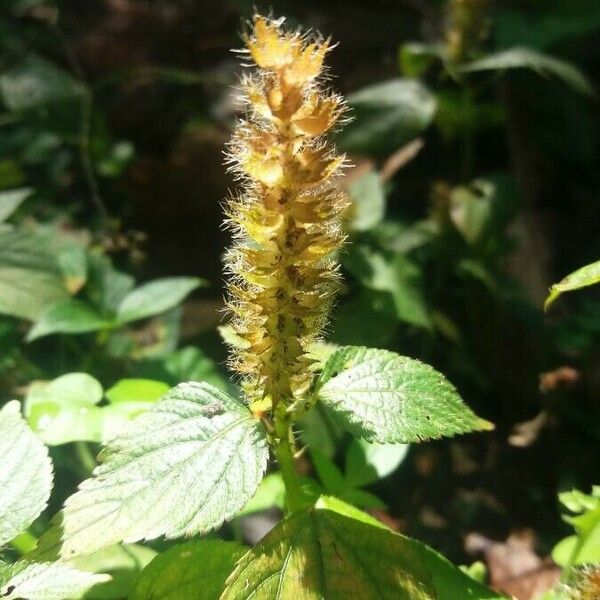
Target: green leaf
[387,115]
[25,476]
[45,581]
[182,468]
[34,83]
[195,569]
[526,58]
[29,277]
[362,499]
[72,262]
[368,202]
[155,297]
[336,551]
[10,201]
[397,275]
[584,277]
[190,364]
[123,563]
[331,477]
[69,316]
[584,547]
[449,581]
[270,493]
[416,58]
[136,390]
[64,410]
[321,553]
[367,463]
[383,397]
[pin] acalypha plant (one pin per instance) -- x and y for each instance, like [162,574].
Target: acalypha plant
[194,460]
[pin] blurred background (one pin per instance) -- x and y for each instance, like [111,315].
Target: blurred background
[476,144]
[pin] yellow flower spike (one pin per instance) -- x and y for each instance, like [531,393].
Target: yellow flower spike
[286,221]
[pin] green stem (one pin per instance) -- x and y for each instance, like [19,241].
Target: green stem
[85,456]
[285,457]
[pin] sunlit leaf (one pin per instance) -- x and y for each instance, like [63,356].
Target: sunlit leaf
[45,581]
[584,277]
[182,468]
[383,397]
[188,571]
[25,476]
[123,563]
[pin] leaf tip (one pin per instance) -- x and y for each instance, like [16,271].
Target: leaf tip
[485,425]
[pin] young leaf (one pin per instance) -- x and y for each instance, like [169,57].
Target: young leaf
[321,553]
[185,569]
[526,58]
[45,581]
[25,476]
[584,277]
[69,316]
[383,397]
[182,468]
[155,297]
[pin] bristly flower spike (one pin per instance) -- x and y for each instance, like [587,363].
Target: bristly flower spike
[286,220]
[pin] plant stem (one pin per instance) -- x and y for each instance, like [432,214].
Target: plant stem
[285,457]
[85,456]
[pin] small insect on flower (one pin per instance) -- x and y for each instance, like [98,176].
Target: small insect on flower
[286,218]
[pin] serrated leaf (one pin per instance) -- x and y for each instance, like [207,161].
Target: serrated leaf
[124,563]
[69,316]
[387,398]
[584,277]
[194,570]
[11,200]
[526,58]
[25,476]
[155,297]
[182,468]
[45,581]
[321,553]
